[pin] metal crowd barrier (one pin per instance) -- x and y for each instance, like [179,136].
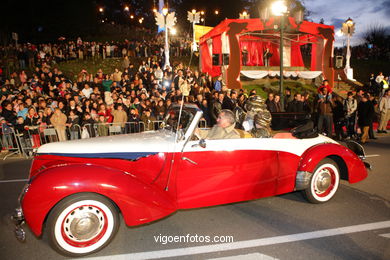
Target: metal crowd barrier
[23,143]
[9,142]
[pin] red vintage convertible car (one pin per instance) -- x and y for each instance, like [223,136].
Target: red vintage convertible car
[78,188]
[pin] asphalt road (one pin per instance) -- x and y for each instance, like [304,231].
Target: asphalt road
[355,224]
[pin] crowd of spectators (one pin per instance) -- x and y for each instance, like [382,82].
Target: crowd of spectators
[30,55]
[144,93]
[339,118]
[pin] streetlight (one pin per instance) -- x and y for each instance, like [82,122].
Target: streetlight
[166,20]
[348,29]
[131,16]
[279,8]
[216,12]
[244,15]
[126,8]
[203,17]
[193,17]
[173,31]
[101,9]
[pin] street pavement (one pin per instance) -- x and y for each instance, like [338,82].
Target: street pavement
[355,224]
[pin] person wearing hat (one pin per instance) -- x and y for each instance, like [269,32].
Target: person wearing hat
[255,105]
[261,128]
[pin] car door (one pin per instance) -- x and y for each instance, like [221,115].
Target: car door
[225,171]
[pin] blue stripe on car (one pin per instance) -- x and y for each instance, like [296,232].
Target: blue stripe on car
[126,156]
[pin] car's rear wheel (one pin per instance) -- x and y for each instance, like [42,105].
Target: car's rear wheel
[82,224]
[324,182]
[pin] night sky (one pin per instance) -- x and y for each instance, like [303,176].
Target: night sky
[366,13]
[50,19]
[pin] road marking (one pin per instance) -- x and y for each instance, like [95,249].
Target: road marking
[247,243]
[255,256]
[18,180]
[372,155]
[385,235]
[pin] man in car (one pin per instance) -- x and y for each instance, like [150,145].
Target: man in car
[224,129]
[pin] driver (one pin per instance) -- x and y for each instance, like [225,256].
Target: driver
[224,129]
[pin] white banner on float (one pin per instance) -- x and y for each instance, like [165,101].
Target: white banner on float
[259,74]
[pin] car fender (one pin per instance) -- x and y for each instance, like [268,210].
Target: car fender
[351,166]
[139,202]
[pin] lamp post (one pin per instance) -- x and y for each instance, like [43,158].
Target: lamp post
[348,29]
[203,17]
[279,8]
[194,18]
[244,15]
[166,20]
[166,46]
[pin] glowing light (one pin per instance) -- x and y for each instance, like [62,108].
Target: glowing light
[127,8]
[131,16]
[349,22]
[140,20]
[173,31]
[279,8]
[165,11]
[202,12]
[244,13]
[202,20]
[193,11]
[101,9]
[154,10]
[216,12]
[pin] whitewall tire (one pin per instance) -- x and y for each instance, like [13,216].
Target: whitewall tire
[324,182]
[82,224]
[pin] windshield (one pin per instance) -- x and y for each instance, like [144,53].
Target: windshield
[171,120]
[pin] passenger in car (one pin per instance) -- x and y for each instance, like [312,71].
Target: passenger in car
[224,129]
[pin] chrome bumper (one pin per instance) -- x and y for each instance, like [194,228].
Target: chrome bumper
[18,219]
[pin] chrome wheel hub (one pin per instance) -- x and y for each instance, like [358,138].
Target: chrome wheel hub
[323,181]
[84,223]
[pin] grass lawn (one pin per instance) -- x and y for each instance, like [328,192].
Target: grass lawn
[265,86]
[72,68]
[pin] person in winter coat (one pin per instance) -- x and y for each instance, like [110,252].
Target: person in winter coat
[120,117]
[350,106]
[365,113]
[58,120]
[73,124]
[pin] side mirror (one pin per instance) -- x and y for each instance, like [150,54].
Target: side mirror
[202,143]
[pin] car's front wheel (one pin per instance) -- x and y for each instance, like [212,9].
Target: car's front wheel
[324,182]
[82,223]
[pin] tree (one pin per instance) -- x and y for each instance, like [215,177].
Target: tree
[377,35]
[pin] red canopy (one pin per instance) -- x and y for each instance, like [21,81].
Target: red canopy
[254,36]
